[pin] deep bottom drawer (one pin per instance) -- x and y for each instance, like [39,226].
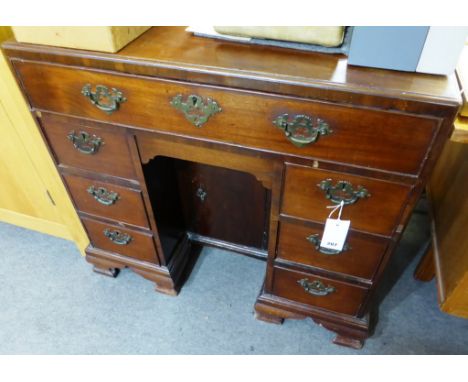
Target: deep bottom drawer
[130,243]
[337,296]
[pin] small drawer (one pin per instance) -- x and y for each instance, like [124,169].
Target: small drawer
[107,200]
[300,244]
[301,127]
[77,143]
[375,205]
[306,288]
[123,241]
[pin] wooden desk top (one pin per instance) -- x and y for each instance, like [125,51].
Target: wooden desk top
[176,45]
[162,50]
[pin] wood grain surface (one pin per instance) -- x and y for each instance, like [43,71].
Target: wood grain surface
[246,118]
[378,213]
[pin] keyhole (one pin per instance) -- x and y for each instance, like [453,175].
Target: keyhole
[201,194]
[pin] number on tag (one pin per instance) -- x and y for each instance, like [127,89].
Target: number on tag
[334,234]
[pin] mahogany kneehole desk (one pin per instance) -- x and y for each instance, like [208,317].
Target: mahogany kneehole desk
[178,141]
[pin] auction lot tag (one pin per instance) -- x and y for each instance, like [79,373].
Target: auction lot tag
[334,234]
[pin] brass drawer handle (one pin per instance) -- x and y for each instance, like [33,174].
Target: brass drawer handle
[316,287]
[103,196]
[195,108]
[342,191]
[314,239]
[117,237]
[85,143]
[300,130]
[105,99]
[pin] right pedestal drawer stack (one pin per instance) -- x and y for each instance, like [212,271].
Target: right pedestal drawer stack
[334,287]
[335,280]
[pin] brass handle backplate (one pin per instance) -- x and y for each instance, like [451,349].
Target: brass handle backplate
[342,191]
[196,110]
[105,99]
[103,196]
[314,239]
[316,287]
[117,237]
[85,143]
[300,129]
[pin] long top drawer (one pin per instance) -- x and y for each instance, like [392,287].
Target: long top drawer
[362,137]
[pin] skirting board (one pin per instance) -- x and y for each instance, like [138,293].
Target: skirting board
[36,224]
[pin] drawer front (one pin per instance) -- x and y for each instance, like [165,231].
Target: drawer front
[107,200]
[137,245]
[300,244]
[102,150]
[369,138]
[304,197]
[322,292]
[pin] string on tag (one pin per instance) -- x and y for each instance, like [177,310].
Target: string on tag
[340,206]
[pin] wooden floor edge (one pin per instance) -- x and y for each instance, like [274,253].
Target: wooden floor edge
[36,224]
[460,132]
[452,304]
[435,249]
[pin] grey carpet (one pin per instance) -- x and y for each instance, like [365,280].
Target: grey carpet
[52,303]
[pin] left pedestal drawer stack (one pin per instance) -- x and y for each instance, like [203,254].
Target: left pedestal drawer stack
[96,165]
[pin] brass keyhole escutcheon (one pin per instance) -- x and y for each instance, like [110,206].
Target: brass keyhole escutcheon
[201,194]
[195,108]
